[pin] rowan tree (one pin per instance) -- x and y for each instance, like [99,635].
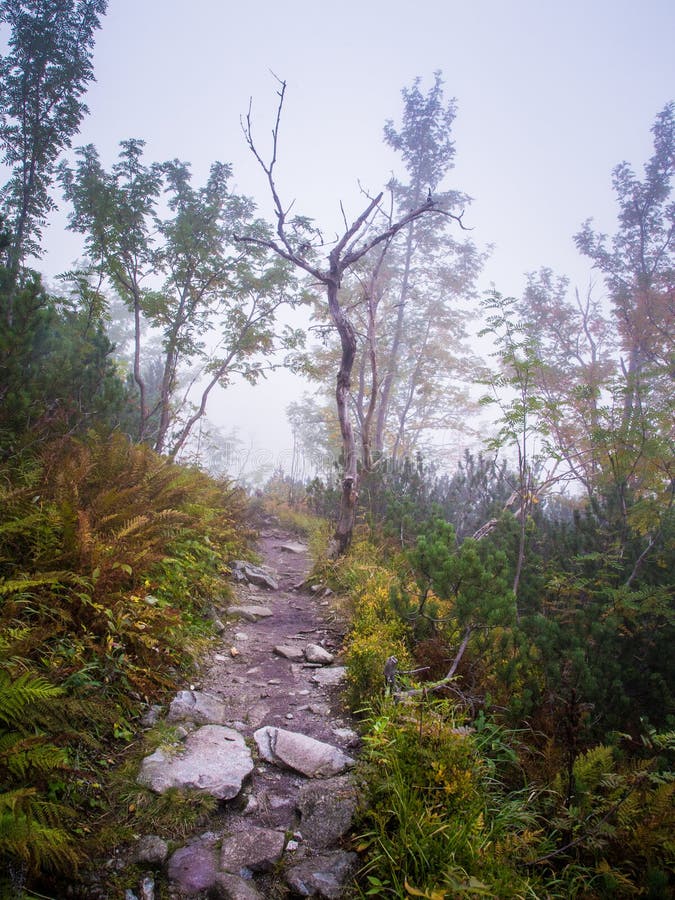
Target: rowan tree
[44,77]
[212,303]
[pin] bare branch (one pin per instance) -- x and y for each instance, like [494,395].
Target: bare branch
[351,231]
[437,685]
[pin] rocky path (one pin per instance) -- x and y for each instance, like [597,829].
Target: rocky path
[265,732]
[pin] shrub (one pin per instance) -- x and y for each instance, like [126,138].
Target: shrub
[377,632]
[432,827]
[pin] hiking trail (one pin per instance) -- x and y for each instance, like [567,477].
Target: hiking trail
[263,730]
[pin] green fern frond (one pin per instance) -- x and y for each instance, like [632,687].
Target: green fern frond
[25,838]
[10,636]
[591,767]
[13,527]
[31,755]
[19,693]
[28,583]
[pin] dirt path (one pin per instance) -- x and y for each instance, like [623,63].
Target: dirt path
[261,687]
[283,831]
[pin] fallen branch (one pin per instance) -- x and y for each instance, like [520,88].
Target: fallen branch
[390,671]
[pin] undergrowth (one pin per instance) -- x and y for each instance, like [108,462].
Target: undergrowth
[459,804]
[111,558]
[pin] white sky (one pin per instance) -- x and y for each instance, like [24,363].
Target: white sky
[551,96]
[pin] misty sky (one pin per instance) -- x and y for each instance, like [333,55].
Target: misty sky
[551,96]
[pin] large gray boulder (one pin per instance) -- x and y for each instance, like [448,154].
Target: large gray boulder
[326,810]
[214,759]
[198,707]
[303,754]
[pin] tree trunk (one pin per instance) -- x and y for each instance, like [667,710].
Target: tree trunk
[138,375]
[392,361]
[345,525]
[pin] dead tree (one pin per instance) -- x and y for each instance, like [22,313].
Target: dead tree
[298,242]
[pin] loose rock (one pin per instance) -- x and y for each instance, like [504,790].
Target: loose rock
[287,651]
[327,810]
[151,849]
[251,613]
[246,571]
[194,868]
[323,876]
[348,736]
[250,847]
[232,887]
[293,547]
[147,888]
[303,754]
[330,676]
[314,653]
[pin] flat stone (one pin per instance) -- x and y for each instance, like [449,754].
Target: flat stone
[315,653]
[194,868]
[330,676]
[322,876]
[251,847]
[251,612]
[246,571]
[303,754]
[326,810]
[232,887]
[198,707]
[293,547]
[289,652]
[214,760]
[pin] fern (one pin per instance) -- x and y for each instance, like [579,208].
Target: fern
[30,833]
[85,536]
[17,694]
[30,583]
[31,828]
[24,756]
